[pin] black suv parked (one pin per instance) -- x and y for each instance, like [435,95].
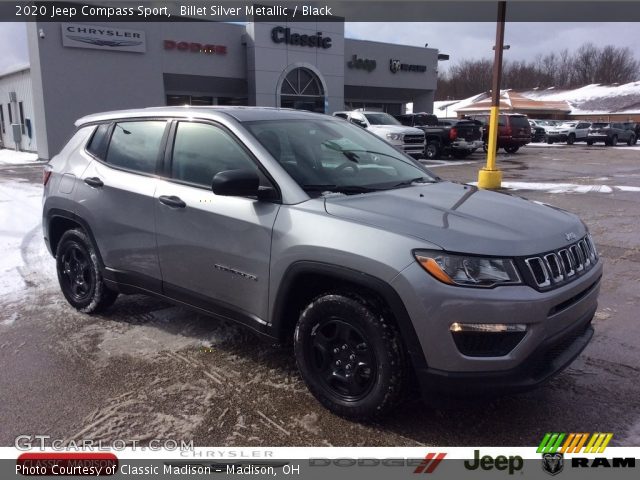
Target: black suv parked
[610,134]
[459,138]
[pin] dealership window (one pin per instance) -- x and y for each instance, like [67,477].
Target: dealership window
[178,100]
[135,145]
[200,151]
[2,119]
[302,89]
[21,109]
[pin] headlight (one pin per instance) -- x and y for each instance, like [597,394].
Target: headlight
[394,136]
[468,271]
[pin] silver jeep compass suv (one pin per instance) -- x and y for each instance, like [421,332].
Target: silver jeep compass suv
[304,227]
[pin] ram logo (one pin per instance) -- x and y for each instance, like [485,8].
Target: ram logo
[394,65]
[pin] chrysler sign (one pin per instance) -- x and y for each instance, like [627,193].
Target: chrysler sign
[103,38]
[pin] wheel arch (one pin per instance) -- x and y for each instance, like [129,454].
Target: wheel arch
[304,280]
[59,221]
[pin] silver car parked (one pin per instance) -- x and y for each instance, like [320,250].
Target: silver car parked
[306,228]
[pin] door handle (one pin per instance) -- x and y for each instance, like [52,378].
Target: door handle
[172,201]
[94,182]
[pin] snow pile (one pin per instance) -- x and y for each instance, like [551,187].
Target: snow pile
[11,157]
[449,108]
[21,235]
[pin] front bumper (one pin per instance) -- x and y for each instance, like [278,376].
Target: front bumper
[558,329]
[558,137]
[413,148]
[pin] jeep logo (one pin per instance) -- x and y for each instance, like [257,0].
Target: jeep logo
[502,463]
[361,63]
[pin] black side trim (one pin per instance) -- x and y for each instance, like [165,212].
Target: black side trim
[380,287]
[131,282]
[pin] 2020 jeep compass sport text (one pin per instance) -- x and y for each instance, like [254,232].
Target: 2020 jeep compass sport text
[306,228]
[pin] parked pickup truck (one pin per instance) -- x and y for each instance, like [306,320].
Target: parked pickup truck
[459,138]
[406,139]
[570,132]
[610,134]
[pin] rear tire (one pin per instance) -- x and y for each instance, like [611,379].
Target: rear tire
[589,142]
[350,356]
[79,273]
[549,141]
[632,140]
[432,150]
[512,149]
[462,154]
[614,141]
[571,139]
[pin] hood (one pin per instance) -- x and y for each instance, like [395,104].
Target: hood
[462,218]
[397,129]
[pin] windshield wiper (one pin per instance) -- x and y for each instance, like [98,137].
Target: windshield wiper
[407,183]
[338,188]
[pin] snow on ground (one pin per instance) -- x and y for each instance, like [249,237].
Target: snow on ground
[544,145]
[566,187]
[11,157]
[20,218]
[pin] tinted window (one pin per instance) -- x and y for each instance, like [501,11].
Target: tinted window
[200,151]
[98,144]
[599,125]
[341,115]
[618,125]
[519,122]
[10,113]
[135,145]
[2,118]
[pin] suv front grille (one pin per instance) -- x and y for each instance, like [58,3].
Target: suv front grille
[561,266]
[414,139]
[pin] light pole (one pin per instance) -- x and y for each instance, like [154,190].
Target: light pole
[490,177]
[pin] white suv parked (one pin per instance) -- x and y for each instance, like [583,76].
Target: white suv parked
[409,140]
[569,132]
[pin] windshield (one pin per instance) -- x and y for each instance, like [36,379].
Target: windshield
[379,118]
[330,156]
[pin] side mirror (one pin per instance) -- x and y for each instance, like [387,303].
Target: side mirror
[236,183]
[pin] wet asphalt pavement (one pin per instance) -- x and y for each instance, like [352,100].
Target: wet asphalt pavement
[147,369]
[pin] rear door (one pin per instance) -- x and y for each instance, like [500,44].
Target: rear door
[582,129]
[214,250]
[116,197]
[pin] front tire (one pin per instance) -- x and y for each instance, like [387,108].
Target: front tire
[79,273]
[350,356]
[571,139]
[632,140]
[512,149]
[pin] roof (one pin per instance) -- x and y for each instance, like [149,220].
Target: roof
[514,102]
[241,114]
[15,69]
[595,98]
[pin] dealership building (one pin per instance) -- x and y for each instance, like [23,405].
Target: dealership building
[77,69]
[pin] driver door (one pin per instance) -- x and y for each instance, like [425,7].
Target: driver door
[214,251]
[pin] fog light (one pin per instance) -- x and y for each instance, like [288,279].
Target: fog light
[488,327]
[487,339]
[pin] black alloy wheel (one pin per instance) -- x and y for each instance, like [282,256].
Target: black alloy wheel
[342,359]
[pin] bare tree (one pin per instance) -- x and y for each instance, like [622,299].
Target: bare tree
[588,64]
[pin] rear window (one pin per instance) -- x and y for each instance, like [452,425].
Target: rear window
[519,122]
[136,145]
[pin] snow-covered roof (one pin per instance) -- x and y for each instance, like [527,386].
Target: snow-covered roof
[595,99]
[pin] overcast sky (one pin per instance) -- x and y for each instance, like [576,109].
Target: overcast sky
[460,40]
